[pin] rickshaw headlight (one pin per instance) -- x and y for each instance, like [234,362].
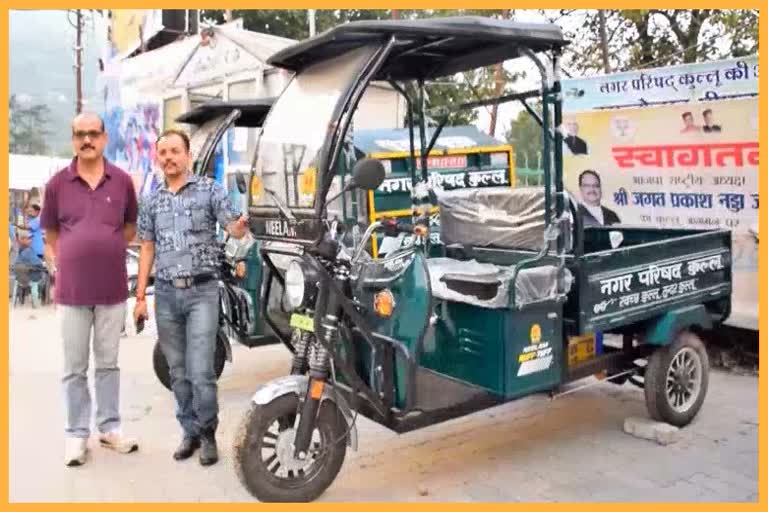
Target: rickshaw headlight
[295,285]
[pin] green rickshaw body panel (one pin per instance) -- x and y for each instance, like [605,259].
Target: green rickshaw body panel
[405,275]
[505,351]
[652,274]
[251,283]
[467,343]
[662,331]
[534,356]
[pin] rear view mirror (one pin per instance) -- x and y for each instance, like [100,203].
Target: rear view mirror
[368,174]
[242,187]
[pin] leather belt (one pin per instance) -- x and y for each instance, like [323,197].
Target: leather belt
[187,282]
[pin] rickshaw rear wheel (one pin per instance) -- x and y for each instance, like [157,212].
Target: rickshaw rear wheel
[676,380]
[263,451]
[163,372]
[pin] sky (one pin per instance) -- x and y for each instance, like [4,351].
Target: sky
[41,66]
[41,69]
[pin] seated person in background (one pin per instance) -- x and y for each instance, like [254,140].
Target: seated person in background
[29,259]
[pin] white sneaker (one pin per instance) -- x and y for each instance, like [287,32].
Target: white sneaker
[115,440]
[75,450]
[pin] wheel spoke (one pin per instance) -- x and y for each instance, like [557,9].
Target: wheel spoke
[268,463]
[270,435]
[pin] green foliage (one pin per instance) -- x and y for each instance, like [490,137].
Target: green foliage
[27,131]
[657,37]
[443,95]
[525,136]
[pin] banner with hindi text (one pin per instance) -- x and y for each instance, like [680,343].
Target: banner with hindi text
[679,166]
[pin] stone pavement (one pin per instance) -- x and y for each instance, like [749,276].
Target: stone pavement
[571,449]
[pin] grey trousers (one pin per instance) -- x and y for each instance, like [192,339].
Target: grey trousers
[77,323]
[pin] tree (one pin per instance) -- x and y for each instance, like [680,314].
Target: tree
[443,94]
[654,37]
[27,131]
[525,136]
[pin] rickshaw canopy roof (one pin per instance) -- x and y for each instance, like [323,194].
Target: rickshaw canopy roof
[427,48]
[253,112]
[398,140]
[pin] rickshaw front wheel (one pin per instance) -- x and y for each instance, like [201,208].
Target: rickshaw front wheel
[264,457]
[676,380]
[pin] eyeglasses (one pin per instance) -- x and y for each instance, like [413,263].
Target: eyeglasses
[91,134]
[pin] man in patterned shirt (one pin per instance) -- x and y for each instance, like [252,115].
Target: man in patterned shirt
[177,228]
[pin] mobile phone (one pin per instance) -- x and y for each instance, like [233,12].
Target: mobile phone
[140,324]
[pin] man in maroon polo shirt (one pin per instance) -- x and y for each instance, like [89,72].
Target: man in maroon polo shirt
[89,215]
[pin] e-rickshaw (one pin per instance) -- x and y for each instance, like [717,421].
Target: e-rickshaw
[240,267]
[411,340]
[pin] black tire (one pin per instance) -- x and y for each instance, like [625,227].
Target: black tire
[163,372]
[298,485]
[669,396]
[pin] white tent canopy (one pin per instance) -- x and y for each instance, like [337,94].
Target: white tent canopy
[26,172]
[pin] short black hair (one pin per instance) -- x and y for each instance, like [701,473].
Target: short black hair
[707,111]
[36,207]
[175,131]
[593,173]
[686,114]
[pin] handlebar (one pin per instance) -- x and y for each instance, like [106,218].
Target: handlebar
[390,228]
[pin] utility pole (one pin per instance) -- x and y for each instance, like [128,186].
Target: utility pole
[311,19]
[79,62]
[604,41]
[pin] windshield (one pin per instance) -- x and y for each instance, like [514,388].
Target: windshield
[296,128]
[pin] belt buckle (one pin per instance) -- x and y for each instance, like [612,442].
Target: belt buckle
[182,282]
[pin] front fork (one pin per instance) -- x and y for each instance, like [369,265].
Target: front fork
[319,360]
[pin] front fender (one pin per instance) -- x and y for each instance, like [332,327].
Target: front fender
[297,384]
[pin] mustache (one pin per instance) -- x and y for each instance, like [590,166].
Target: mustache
[86,146]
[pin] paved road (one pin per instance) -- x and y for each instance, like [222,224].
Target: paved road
[535,449]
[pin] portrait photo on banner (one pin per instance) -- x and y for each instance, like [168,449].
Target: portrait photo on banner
[690,165]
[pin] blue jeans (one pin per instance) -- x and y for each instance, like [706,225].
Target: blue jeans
[187,321]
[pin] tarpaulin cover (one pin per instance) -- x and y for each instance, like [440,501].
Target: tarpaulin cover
[487,285]
[509,218]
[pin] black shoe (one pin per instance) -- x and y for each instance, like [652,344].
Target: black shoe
[209,454]
[186,448]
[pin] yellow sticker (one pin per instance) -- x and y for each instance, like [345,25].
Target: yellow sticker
[308,182]
[303,322]
[535,333]
[257,187]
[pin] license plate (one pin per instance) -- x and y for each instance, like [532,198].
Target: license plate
[303,322]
